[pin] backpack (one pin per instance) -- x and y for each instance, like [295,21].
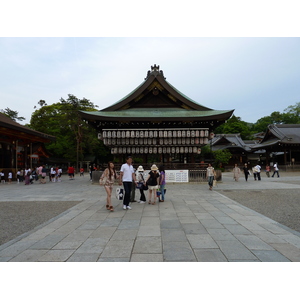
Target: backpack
[120,194]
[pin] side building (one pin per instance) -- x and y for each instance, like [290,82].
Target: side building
[20,146]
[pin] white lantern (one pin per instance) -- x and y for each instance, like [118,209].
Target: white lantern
[174,133]
[154,150]
[146,133]
[137,134]
[197,133]
[202,133]
[183,133]
[160,150]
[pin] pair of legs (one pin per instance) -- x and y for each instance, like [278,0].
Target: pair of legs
[108,189]
[143,197]
[162,190]
[210,182]
[152,193]
[275,173]
[127,188]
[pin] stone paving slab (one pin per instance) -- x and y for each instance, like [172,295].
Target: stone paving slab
[192,225]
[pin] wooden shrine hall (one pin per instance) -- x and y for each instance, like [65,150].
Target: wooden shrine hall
[156,123]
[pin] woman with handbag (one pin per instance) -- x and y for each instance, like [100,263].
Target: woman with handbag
[141,184]
[210,175]
[153,182]
[108,179]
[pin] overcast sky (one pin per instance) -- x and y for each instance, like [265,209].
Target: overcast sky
[253,75]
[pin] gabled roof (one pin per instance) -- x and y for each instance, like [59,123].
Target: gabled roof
[157,99]
[229,141]
[8,126]
[280,134]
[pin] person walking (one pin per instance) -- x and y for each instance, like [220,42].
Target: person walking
[256,172]
[210,175]
[9,177]
[276,170]
[268,170]
[107,179]
[246,171]
[236,172]
[153,182]
[71,171]
[126,176]
[53,174]
[162,182]
[141,181]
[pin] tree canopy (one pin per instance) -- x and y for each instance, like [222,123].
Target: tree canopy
[13,114]
[75,139]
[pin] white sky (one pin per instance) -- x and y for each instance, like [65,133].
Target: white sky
[231,61]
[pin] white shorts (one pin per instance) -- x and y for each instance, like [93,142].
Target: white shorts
[153,187]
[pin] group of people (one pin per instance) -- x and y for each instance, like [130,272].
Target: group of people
[2,176]
[132,179]
[256,170]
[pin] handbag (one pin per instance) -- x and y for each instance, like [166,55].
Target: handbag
[140,185]
[214,182]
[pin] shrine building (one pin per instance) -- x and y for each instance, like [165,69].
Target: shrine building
[156,123]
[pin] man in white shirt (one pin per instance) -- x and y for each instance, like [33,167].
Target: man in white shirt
[275,170]
[127,175]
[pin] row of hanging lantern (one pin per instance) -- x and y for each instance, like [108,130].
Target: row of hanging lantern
[161,133]
[154,141]
[155,150]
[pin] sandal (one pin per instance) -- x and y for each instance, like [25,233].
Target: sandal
[111,208]
[153,203]
[107,206]
[149,202]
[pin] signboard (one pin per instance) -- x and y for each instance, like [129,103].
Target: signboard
[177,176]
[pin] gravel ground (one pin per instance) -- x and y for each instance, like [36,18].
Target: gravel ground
[282,206]
[19,217]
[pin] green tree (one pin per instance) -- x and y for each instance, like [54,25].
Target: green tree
[74,137]
[221,157]
[291,114]
[13,114]
[261,125]
[235,125]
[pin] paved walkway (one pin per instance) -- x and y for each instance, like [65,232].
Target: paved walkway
[193,224]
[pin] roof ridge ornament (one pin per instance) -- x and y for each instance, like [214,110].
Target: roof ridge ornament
[155,71]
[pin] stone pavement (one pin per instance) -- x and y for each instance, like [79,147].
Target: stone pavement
[193,224]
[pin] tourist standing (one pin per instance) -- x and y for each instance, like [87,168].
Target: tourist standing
[236,172]
[107,179]
[246,171]
[162,182]
[9,176]
[2,175]
[140,179]
[210,175]
[276,170]
[153,182]
[268,170]
[256,172]
[126,176]
[71,172]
